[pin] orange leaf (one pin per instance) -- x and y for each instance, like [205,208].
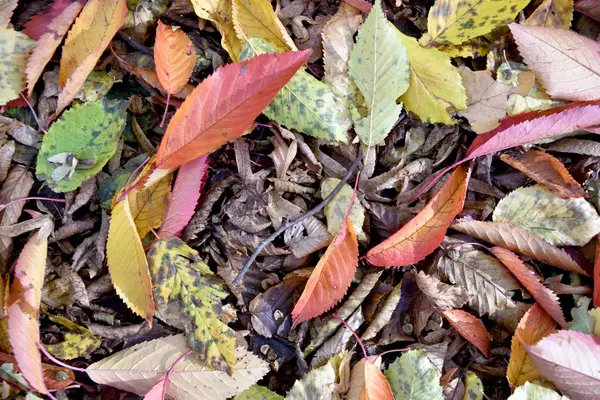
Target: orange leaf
[547,170]
[224,105]
[535,325]
[90,35]
[470,328]
[421,235]
[596,295]
[23,306]
[367,382]
[174,57]
[151,77]
[331,278]
[545,297]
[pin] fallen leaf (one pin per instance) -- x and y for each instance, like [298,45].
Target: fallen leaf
[552,14]
[519,240]
[440,294]
[242,90]
[256,19]
[127,262]
[560,222]
[7,8]
[78,342]
[570,361]
[38,24]
[367,382]
[362,5]
[566,63]
[91,33]
[320,383]
[582,321]
[184,198]
[473,387]
[148,204]
[15,48]
[174,57]
[546,170]
[384,314]
[532,391]
[156,393]
[379,67]
[331,278]
[535,325]
[98,125]
[476,47]
[335,211]
[180,279]
[589,7]
[413,376]
[421,235]
[470,328]
[435,84]
[577,146]
[596,294]
[138,368]
[219,12]
[256,392]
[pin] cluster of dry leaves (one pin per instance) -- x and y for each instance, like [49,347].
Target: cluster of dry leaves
[411,213]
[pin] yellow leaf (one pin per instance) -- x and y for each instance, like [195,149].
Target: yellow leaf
[148,205]
[595,314]
[79,342]
[127,262]
[90,35]
[14,48]
[256,18]
[476,47]
[456,21]
[553,14]
[220,14]
[435,83]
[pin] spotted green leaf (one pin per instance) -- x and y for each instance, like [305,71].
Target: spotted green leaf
[256,392]
[90,132]
[96,85]
[561,222]
[186,291]
[305,103]
[336,209]
[473,387]
[413,376]
[14,52]
[78,342]
[379,67]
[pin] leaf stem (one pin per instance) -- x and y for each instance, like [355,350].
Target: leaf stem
[58,362]
[166,109]
[3,206]
[362,346]
[170,371]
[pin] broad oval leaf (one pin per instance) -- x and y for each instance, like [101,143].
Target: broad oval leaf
[331,278]
[421,235]
[256,19]
[567,63]
[174,57]
[546,170]
[560,222]
[323,382]
[367,382]
[535,325]
[224,105]
[531,391]
[570,361]
[413,376]
[15,48]
[519,240]
[7,8]
[471,328]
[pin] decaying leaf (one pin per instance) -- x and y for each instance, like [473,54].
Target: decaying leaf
[78,342]
[149,204]
[413,376]
[14,49]
[552,14]
[181,279]
[440,294]
[470,328]
[473,387]
[336,209]
[383,317]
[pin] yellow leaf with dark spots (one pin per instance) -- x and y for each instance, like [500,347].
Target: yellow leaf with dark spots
[79,342]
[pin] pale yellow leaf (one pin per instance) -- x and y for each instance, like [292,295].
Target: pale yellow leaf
[256,18]
[220,14]
[336,209]
[14,49]
[148,205]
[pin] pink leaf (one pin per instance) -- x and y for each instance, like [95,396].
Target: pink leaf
[157,391]
[39,23]
[570,361]
[184,198]
[362,5]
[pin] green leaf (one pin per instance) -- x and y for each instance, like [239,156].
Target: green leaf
[305,103]
[109,187]
[14,52]
[582,320]
[89,132]
[336,209]
[379,67]
[96,85]
[186,291]
[79,342]
[561,222]
[531,391]
[414,377]
[473,387]
[256,392]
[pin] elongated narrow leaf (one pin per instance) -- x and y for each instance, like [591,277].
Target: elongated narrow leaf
[566,63]
[367,382]
[15,48]
[174,57]
[421,235]
[224,105]
[256,19]
[519,240]
[413,376]
[38,24]
[379,67]
[570,361]
[93,30]
[545,297]
[535,325]
[186,192]
[546,170]
[471,328]
[331,278]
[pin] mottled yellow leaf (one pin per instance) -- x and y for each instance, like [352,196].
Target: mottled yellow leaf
[14,51]
[256,18]
[476,47]
[78,342]
[148,205]
[553,14]
[336,209]
[220,14]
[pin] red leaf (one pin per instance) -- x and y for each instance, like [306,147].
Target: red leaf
[423,234]
[174,57]
[224,105]
[367,382]
[331,278]
[39,23]
[596,295]
[362,5]
[184,197]
[545,297]
[470,328]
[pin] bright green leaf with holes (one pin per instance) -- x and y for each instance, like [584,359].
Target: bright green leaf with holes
[413,376]
[78,342]
[14,53]
[80,143]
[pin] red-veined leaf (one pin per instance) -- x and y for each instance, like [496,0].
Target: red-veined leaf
[547,170]
[331,278]
[174,57]
[535,325]
[570,361]
[545,297]
[566,62]
[367,382]
[224,105]
[23,306]
[471,328]
[421,235]
[596,294]
[39,23]
[184,197]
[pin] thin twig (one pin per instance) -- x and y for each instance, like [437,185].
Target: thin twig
[293,222]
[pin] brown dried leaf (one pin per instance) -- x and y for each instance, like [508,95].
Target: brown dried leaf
[441,295]
[577,146]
